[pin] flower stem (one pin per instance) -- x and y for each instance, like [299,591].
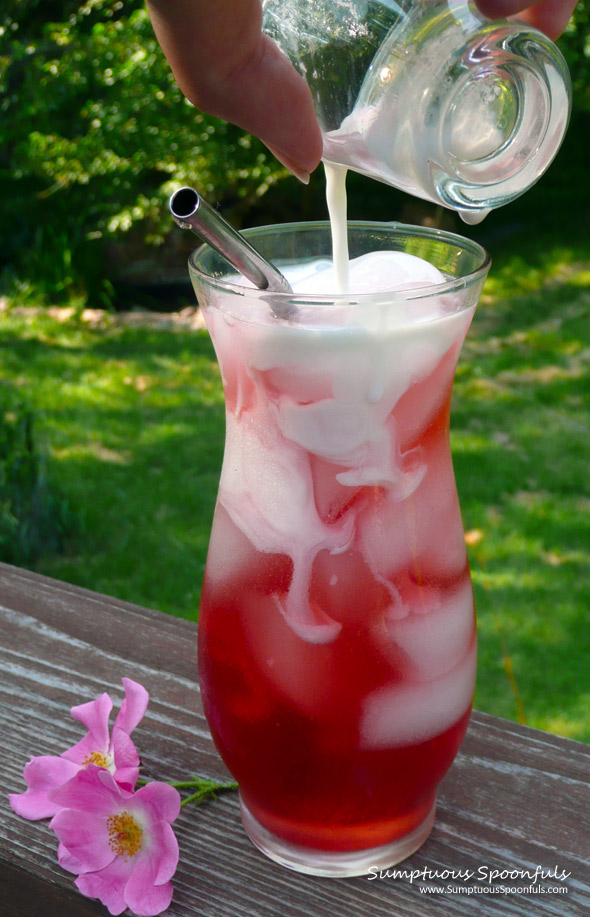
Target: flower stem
[203,787]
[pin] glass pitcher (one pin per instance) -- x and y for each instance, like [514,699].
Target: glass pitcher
[337,642]
[428,95]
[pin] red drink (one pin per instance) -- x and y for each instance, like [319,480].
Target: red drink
[337,642]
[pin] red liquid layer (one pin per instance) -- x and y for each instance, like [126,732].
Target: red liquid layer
[304,726]
[303,776]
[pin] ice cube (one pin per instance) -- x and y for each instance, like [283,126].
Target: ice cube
[307,272]
[388,271]
[234,563]
[384,537]
[436,639]
[230,553]
[335,430]
[343,585]
[321,282]
[374,272]
[301,671]
[404,715]
[266,486]
[424,399]
[238,386]
[299,383]
[332,499]
[305,618]
[434,518]
[423,532]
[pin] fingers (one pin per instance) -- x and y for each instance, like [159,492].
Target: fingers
[549,16]
[228,68]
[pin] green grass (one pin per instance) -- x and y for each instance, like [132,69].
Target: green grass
[132,418]
[522,459]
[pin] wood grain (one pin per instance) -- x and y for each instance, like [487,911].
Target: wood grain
[516,798]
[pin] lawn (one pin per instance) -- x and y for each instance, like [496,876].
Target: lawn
[131,417]
[522,455]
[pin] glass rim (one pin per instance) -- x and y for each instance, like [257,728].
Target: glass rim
[346,299]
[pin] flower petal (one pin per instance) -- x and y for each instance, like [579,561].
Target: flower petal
[161,799]
[91,790]
[42,774]
[164,847]
[141,895]
[95,716]
[85,837]
[149,902]
[126,759]
[108,885]
[67,861]
[82,751]
[133,707]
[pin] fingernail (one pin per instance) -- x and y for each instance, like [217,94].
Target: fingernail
[303,177]
[302,174]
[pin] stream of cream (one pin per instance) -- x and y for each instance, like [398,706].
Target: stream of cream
[336,200]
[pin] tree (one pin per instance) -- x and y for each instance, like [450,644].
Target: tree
[95,135]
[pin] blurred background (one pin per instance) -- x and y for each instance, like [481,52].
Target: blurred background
[111,409]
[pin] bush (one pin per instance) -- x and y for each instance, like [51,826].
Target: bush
[33,520]
[94,136]
[575,45]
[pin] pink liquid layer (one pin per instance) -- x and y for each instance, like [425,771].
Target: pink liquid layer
[340,744]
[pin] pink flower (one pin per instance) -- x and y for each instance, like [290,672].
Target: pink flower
[116,753]
[119,844]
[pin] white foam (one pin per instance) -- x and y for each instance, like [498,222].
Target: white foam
[404,715]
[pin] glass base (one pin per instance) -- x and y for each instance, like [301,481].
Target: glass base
[340,863]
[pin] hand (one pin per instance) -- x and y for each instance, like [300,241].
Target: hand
[549,16]
[227,67]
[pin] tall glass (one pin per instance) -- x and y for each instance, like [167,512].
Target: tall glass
[337,644]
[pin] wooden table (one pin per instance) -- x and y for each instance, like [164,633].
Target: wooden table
[515,799]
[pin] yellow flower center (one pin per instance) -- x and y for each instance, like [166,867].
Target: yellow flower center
[97,757]
[124,834]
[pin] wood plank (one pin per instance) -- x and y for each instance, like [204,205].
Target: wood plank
[516,798]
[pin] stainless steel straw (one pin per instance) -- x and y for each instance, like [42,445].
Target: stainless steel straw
[192,212]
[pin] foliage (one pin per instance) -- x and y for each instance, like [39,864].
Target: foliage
[111,137]
[575,45]
[32,518]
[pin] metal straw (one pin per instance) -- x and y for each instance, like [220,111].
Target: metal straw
[192,212]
